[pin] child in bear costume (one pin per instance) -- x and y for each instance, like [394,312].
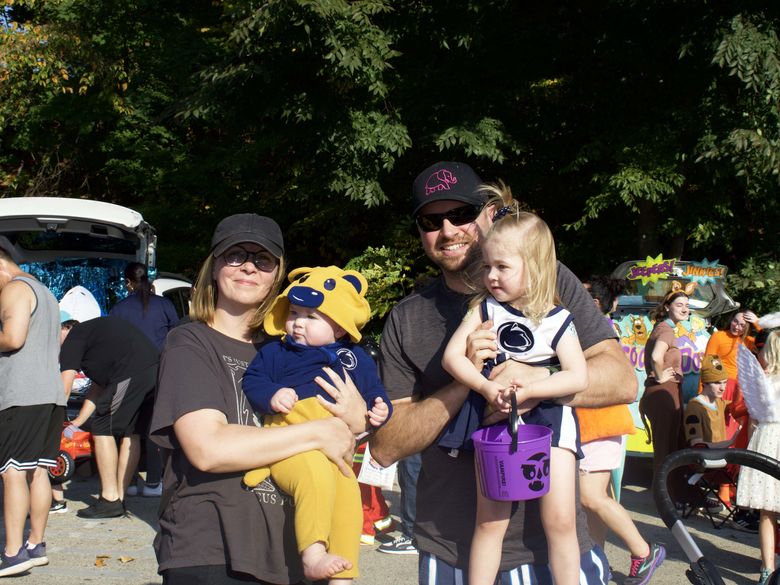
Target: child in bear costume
[319,316]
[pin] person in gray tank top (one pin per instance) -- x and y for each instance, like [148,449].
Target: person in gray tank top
[32,409]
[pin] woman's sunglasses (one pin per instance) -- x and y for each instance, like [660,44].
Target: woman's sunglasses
[430,222]
[262,260]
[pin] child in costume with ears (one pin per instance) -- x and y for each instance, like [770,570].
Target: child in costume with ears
[320,316]
[518,293]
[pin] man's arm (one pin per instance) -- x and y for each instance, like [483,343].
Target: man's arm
[88,407]
[611,378]
[17,301]
[415,424]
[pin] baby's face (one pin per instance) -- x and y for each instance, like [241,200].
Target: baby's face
[310,327]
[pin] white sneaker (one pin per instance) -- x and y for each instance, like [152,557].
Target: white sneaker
[154,491]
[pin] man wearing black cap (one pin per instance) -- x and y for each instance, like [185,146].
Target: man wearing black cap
[32,409]
[448,210]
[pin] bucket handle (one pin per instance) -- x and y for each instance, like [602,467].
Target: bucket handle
[513,423]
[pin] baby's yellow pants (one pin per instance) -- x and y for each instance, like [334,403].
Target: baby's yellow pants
[327,504]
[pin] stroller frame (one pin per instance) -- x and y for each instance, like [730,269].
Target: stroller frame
[702,571]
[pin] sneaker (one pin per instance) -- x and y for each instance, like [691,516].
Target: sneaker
[642,568]
[367,539]
[103,509]
[403,545]
[745,521]
[152,491]
[13,565]
[58,507]
[712,506]
[37,554]
[763,577]
[132,490]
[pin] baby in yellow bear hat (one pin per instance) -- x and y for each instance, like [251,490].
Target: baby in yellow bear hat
[319,316]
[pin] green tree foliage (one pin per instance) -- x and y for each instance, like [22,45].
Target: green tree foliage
[633,127]
[757,285]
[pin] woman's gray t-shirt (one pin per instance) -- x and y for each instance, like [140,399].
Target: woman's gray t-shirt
[208,518]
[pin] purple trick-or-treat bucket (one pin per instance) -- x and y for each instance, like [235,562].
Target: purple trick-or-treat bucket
[513,461]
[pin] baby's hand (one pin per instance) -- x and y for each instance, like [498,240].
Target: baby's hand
[284,400]
[378,413]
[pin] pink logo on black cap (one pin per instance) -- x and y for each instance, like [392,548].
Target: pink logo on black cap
[441,180]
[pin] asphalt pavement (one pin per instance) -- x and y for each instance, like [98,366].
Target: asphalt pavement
[110,552]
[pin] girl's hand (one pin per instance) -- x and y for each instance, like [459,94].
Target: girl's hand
[492,393]
[524,404]
[338,442]
[350,405]
[283,400]
[666,375]
[378,413]
[481,345]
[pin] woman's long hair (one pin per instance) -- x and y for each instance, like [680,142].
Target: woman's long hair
[205,293]
[526,235]
[138,279]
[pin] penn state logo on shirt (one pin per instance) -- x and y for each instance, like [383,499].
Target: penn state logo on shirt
[347,358]
[515,337]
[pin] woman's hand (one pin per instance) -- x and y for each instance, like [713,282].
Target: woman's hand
[350,405]
[666,375]
[481,345]
[750,317]
[338,442]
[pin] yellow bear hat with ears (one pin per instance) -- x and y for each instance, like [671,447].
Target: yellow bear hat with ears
[339,294]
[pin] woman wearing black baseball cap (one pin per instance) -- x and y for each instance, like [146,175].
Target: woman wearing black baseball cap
[212,530]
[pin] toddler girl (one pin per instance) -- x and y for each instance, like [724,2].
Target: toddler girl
[518,293]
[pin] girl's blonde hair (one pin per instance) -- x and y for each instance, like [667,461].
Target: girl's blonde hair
[204,296]
[527,235]
[772,353]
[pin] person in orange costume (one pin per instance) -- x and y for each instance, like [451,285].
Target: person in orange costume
[724,344]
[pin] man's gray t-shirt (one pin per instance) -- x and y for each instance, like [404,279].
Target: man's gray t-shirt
[413,342]
[30,375]
[208,518]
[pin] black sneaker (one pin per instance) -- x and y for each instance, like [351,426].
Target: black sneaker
[712,506]
[58,507]
[13,565]
[745,521]
[103,509]
[403,545]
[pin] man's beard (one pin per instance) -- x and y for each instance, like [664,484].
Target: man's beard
[464,268]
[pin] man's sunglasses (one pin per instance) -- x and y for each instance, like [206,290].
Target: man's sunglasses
[262,260]
[430,222]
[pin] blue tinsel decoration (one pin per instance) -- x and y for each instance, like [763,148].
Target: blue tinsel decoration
[103,278]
